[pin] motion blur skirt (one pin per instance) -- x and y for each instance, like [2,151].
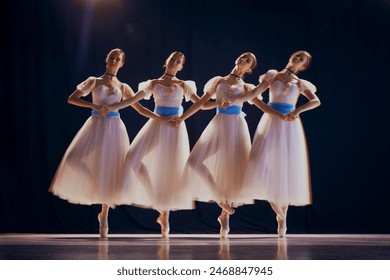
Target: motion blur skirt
[90,171]
[278,166]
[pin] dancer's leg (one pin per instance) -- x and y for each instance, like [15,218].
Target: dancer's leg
[134,161]
[103,221]
[163,220]
[226,206]
[202,170]
[223,220]
[197,164]
[281,217]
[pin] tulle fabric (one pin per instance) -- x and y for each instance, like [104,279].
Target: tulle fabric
[278,167]
[224,149]
[91,169]
[162,151]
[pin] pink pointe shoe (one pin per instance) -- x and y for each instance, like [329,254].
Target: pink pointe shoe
[282,227]
[103,226]
[164,226]
[224,222]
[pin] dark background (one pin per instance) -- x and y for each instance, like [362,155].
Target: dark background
[49,46]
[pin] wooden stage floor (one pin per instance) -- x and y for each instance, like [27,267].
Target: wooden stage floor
[195,247]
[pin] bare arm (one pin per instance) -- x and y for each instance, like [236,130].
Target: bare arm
[207,106]
[146,112]
[195,107]
[129,101]
[210,105]
[267,109]
[249,95]
[128,93]
[259,89]
[75,99]
[313,102]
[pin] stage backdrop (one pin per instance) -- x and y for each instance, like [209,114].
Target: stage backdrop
[48,47]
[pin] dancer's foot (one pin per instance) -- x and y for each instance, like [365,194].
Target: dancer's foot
[226,207]
[163,221]
[223,220]
[103,225]
[282,226]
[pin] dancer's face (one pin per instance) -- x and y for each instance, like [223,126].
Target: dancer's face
[175,62]
[299,60]
[114,59]
[245,62]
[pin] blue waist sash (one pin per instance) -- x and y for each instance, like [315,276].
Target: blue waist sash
[109,114]
[283,108]
[168,111]
[231,110]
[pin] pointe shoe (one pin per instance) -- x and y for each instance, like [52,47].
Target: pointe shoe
[164,226]
[282,227]
[103,226]
[224,222]
[226,207]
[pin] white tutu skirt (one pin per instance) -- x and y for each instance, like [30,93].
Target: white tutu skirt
[160,151]
[223,149]
[91,169]
[278,167]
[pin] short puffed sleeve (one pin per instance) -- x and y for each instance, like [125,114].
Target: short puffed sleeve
[146,87]
[306,86]
[189,88]
[87,86]
[127,91]
[269,76]
[211,86]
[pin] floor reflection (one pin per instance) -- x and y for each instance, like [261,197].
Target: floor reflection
[224,249]
[282,249]
[163,250]
[102,250]
[193,247]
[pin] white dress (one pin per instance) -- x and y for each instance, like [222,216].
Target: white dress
[223,148]
[162,150]
[278,168]
[90,171]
